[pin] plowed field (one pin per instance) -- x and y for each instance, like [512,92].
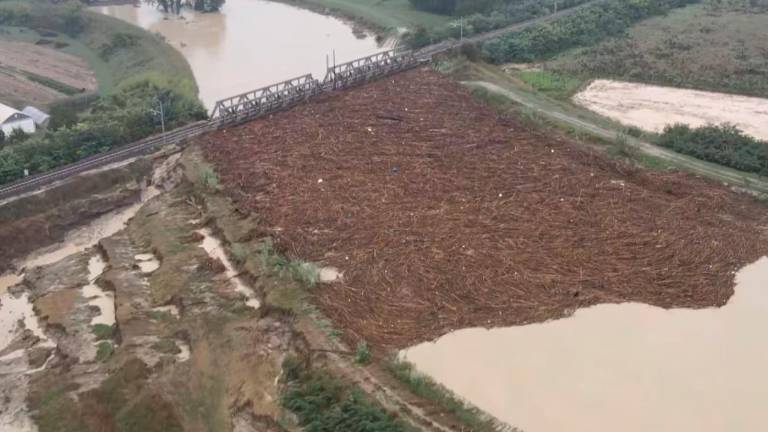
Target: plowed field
[443,214]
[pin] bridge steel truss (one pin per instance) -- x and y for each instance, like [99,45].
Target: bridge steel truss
[265,100]
[368,68]
[256,103]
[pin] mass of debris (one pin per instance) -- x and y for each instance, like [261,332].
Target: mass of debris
[444,214]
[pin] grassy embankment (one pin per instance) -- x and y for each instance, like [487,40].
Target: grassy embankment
[144,54]
[510,94]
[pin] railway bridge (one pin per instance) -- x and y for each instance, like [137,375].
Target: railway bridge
[266,100]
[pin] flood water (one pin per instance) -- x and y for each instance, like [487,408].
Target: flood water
[619,367]
[215,249]
[250,43]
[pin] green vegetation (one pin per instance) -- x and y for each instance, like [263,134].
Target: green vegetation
[552,84]
[166,346]
[53,84]
[136,72]
[114,120]
[483,16]
[426,388]
[322,403]
[709,46]
[724,145]
[104,351]
[208,178]
[384,14]
[362,353]
[273,263]
[583,28]
[115,50]
[102,331]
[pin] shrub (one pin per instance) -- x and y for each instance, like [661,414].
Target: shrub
[722,144]
[322,403]
[362,353]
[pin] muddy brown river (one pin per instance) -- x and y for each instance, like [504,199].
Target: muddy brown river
[619,367]
[250,43]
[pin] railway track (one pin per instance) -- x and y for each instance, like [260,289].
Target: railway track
[270,99]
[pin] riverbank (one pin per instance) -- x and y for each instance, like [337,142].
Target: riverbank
[384,17]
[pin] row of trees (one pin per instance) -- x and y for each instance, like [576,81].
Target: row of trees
[175,6]
[121,118]
[455,7]
[721,144]
[492,16]
[585,27]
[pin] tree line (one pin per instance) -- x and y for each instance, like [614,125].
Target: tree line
[586,27]
[485,17]
[721,144]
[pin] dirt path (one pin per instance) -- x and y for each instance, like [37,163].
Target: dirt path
[726,175]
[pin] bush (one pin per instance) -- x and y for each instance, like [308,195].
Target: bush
[362,353]
[722,144]
[323,404]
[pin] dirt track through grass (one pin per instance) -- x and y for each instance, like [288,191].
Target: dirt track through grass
[443,215]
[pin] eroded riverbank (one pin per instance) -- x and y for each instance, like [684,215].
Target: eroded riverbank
[251,43]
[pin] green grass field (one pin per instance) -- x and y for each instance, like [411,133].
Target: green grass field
[386,14]
[692,47]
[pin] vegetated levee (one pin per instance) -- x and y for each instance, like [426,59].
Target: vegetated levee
[443,214]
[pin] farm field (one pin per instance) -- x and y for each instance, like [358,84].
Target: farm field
[40,75]
[693,47]
[443,215]
[651,108]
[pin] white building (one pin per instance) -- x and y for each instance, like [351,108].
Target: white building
[11,119]
[40,118]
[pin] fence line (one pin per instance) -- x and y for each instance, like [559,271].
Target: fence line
[234,110]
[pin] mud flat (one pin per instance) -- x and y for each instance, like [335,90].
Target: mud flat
[628,367]
[653,107]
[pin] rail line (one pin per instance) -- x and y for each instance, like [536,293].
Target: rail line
[270,99]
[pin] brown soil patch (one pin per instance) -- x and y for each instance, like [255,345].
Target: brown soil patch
[16,58]
[443,215]
[18,91]
[48,62]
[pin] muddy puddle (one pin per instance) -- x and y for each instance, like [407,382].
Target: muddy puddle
[214,249]
[653,107]
[147,263]
[97,297]
[618,367]
[250,43]
[17,314]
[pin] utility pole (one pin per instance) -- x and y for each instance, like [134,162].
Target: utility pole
[160,112]
[555,6]
[461,29]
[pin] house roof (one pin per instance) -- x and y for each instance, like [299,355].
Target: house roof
[6,112]
[38,116]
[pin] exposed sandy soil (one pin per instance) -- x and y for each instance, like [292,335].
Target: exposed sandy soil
[443,215]
[48,62]
[652,107]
